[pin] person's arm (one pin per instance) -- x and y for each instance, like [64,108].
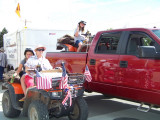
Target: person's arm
[19,69]
[77,31]
[0,56]
[47,65]
[6,60]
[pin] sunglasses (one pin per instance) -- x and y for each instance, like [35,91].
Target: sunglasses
[40,49]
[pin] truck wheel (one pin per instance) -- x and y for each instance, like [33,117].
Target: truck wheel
[38,111]
[107,96]
[80,110]
[7,107]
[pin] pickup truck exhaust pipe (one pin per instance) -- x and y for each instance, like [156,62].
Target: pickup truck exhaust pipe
[144,109]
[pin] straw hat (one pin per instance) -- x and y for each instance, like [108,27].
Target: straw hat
[39,46]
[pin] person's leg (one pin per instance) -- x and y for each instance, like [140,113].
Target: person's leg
[79,46]
[26,82]
[29,81]
[23,84]
[1,73]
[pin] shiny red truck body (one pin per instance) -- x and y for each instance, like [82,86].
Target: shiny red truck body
[124,63]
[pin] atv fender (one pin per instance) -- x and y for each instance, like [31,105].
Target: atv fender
[34,94]
[13,90]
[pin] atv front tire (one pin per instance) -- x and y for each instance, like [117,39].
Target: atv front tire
[38,111]
[7,106]
[80,110]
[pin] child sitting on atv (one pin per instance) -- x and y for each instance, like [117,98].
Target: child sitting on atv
[37,62]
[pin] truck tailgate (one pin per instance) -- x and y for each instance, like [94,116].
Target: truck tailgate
[74,62]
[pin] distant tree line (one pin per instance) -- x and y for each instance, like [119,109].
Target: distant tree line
[4,31]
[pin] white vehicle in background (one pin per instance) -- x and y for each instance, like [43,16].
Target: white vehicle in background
[17,42]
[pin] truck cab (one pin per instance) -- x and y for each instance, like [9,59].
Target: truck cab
[126,63]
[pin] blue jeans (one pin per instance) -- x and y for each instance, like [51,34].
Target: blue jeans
[78,41]
[1,72]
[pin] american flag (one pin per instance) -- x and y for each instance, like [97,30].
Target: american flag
[66,98]
[43,82]
[87,74]
[64,85]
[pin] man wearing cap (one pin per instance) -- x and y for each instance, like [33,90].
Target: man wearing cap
[78,37]
[3,63]
[32,63]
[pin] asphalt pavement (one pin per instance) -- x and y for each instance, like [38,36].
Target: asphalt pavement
[102,108]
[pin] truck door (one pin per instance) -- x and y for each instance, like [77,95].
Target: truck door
[103,61]
[138,77]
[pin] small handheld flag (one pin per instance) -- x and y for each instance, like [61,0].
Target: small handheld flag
[87,74]
[64,79]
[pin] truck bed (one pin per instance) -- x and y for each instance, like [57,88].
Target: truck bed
[74,61]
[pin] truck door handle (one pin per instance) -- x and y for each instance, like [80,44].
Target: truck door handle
[92,61]
[123,64]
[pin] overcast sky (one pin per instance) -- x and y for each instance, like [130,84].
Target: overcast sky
[65,14]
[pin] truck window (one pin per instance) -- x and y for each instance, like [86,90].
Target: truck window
[156,32]
[140,39]
[108,43]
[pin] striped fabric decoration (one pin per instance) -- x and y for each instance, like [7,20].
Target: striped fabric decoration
[64,85]
[87,74]
[44,82]
[66,98]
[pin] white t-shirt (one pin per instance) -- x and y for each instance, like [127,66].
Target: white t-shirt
[79,37]
[33,61]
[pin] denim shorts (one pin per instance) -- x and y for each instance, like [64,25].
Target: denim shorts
[77,42]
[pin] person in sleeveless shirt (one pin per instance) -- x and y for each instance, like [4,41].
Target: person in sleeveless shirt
[78,37]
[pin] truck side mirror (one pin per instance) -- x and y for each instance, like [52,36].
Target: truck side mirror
[148,52]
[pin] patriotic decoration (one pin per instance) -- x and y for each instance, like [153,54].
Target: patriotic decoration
[64,79]
[66,98]
[87,74]
[64,85]
[43,81]
[18,10]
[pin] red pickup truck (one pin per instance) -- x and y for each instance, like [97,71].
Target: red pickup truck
[124,63]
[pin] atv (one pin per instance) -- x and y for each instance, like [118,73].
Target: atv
[43,104]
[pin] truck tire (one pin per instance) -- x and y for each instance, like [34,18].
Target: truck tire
[38,111]
[80,110]
[7,106]
[107,96]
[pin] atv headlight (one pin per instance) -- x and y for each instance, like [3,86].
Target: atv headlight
[56,95]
